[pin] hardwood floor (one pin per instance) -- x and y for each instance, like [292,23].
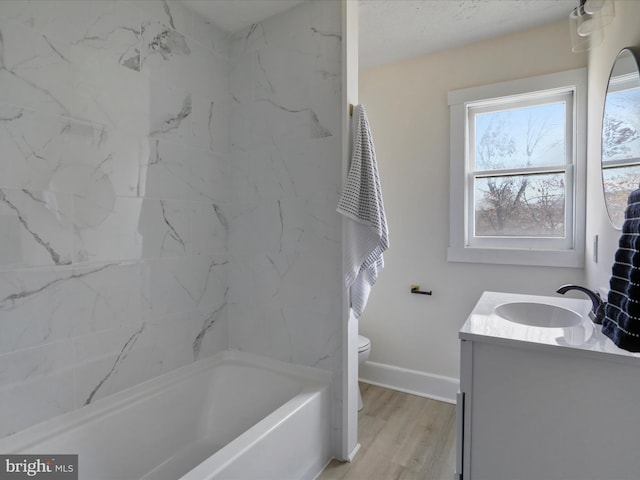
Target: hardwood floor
[402,436]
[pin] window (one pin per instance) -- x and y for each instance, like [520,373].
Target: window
[517,172]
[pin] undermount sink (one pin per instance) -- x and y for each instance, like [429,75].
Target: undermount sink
[538,314]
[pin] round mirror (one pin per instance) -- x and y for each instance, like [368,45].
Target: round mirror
[621,134]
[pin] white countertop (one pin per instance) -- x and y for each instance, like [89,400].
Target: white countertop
[484,325]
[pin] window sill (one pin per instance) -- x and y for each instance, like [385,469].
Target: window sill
[504,256]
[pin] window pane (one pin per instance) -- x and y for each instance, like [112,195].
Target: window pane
[520,137]
[520,205]
[619,182]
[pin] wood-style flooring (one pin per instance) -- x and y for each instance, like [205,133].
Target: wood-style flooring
[402,436]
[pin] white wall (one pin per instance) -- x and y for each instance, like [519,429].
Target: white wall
[407,107]
[349,373]
[622,32]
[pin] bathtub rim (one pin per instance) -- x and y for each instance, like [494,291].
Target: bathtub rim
[47,429]
[216,464]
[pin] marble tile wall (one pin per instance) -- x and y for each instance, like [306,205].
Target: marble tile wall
[285,296]
[165,192]
[114,177]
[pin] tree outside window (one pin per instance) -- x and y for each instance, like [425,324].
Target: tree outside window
[511,196]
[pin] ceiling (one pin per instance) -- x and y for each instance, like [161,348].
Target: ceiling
[392,30]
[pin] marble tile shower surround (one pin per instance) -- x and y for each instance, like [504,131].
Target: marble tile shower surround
[166,191]
[285,296]
[286,176]
[114,180]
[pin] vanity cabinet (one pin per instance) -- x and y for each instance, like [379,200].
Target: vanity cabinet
[529,409]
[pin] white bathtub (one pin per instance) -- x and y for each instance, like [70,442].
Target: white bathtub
[231,416]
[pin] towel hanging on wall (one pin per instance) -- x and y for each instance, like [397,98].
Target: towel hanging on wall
[367,236]
[622,310]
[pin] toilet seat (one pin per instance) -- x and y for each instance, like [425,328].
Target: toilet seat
[363,343]
[364,350]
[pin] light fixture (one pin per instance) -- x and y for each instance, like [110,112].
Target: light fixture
[605,9]
[586,22]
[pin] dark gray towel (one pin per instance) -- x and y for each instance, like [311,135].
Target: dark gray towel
[622,311]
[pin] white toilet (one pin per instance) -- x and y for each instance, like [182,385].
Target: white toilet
[364,349]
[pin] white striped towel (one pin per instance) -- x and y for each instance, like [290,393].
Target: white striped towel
[367,236]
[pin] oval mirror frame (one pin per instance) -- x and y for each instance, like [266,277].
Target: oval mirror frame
[620,152]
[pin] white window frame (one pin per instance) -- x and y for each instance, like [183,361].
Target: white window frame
[463,247]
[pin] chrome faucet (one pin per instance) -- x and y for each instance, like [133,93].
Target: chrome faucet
[597,310]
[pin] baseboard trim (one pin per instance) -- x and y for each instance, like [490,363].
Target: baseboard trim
[410,381]
[353,453]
